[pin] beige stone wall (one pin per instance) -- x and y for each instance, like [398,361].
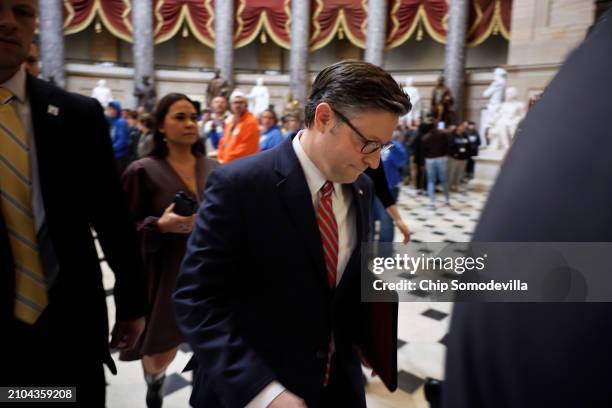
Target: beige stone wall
[543,33]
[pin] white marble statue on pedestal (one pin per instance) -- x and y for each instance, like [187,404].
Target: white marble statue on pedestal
[102,93]
[504,123]
[259,98]
[415,99]
[495,92]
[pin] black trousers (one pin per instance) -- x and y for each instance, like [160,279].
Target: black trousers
[40,356]
[345,387]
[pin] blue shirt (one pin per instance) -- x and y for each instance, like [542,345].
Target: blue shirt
[394,160]
[270,138]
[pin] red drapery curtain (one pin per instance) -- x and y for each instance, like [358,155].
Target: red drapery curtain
[272,19]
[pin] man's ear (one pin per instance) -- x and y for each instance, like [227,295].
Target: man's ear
[323,117]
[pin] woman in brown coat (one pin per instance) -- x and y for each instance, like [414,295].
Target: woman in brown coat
[173,166]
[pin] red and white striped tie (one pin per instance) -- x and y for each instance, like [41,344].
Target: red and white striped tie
[329,237]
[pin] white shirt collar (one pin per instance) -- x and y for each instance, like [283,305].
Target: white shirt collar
[17,85]
[314,178]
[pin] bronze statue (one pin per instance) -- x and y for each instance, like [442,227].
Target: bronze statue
[146,94]
[442,102]
[217,87]
[292,106]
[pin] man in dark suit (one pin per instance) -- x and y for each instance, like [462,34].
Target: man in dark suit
[556,354]
[57,179]
[269,291]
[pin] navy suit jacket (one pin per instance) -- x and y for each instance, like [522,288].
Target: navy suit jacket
[555,186]
[80,189]
[252,295]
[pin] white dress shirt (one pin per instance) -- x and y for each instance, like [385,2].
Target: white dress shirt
[344,211]
[17,86]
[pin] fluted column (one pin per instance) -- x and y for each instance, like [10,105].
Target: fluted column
[52,41]
[454,65]
[224,38]
[376,31]
[142,21]
[300,36]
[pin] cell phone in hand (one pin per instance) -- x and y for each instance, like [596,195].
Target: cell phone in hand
[184,205]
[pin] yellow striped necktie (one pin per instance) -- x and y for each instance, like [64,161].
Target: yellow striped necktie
[16,205]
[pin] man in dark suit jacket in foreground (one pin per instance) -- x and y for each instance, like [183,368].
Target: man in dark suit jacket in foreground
[555,186]
[269,291]
[58,178]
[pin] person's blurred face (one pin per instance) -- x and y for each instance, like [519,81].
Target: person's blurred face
[293,124]
[32,63]
[338,147]
[239,106]
[219,105]
[266,119]
[180,124]
[17,24]
[111,112]
[471,127]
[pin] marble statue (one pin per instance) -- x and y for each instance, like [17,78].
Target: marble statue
[145,94]
[217,87]
[415,100]
[504,123]
[259,98]
[442,102]
[495,92]
[102,93]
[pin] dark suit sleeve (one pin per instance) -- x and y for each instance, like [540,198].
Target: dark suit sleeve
[381,186]
[110,218]
[204,299]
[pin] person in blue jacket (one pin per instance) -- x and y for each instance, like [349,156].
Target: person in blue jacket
[120,136]
[270,133]
[393,160]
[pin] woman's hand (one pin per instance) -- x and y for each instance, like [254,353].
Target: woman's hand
[171,222]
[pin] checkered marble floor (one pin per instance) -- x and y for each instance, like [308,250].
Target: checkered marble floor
[421,331]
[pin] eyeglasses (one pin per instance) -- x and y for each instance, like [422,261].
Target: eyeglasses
[369,146]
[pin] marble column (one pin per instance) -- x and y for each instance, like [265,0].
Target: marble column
[300,36]
[224,38]
[376,31]
[51,36]
[454,65]
[142,22]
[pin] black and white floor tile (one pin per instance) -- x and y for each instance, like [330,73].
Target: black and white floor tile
[422,325]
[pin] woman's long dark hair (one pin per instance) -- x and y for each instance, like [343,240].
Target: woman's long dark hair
[160,148]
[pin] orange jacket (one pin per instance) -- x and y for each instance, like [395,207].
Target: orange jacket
[240,140]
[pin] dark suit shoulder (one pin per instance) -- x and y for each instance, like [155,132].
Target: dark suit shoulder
[38,87]
[251,168]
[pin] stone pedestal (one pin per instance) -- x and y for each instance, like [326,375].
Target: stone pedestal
[487,166]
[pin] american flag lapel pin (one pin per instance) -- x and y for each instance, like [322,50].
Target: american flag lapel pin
[53,110]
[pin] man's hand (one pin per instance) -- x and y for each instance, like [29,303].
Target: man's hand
[287,400]
[401,225]
[126,333]
[394,213]
[365,361]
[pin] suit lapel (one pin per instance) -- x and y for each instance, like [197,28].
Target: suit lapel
[47,120]
[294,193]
